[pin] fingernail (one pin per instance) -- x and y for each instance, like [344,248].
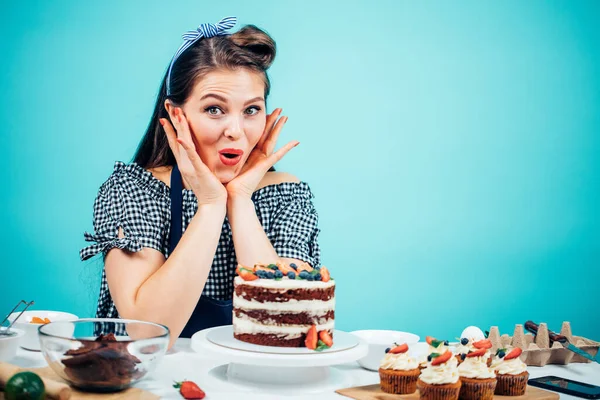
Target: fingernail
[297,143]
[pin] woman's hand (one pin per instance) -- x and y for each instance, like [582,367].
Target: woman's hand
[261,158]
[205,185]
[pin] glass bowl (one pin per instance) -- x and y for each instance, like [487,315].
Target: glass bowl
[103,354]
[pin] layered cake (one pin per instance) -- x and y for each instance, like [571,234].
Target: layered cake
[284,305]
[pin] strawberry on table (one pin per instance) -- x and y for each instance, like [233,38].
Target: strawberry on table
[189,390]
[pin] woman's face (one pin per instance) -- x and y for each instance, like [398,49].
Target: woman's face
[226,115]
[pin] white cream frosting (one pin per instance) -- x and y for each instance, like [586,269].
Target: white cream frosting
[284,284]
[400,362]
[476,367]
[464,348]
[509,367]
[441,374]
[270,321]
[248,325]
[293,305]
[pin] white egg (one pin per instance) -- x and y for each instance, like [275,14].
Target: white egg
[472,332]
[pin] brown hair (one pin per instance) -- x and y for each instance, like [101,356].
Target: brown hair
[250,48]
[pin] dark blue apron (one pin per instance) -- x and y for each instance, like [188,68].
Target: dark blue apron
[208,312]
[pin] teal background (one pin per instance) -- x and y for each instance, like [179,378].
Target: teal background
[452,148]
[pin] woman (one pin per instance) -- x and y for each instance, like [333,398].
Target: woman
[201,194]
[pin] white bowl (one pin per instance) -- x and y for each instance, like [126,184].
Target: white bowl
[378,341]
[10,344]
[31,339]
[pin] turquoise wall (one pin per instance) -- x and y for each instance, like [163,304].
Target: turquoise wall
[453,148]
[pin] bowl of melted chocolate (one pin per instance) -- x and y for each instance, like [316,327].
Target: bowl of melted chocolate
[103,354]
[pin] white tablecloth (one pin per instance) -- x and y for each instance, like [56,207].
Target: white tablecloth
[183,363]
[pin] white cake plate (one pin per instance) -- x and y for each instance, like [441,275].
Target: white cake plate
[266,368]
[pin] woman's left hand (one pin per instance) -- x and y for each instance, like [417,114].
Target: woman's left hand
[261,158]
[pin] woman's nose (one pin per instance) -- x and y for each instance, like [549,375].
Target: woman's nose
[235,129]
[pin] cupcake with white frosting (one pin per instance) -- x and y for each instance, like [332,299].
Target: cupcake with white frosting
[440,380]
[478,380]
[398,371]
[511,372]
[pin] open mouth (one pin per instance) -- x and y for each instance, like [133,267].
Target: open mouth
[230,157]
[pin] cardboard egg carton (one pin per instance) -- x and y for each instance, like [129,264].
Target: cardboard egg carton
[538,350]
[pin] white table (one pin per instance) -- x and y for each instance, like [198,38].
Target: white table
[183,363]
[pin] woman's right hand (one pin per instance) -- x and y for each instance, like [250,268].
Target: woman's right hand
[205,185]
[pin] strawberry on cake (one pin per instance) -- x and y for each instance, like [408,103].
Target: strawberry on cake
[284,305]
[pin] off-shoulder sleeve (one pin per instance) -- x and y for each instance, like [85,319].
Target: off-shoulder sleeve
[290,221]
[122,204]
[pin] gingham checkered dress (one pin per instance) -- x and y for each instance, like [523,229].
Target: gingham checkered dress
[134,200]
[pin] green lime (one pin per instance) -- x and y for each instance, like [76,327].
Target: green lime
[25,386]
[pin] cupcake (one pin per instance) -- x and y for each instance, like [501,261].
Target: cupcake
[440,380]
[511,372]
[478,380]
[398,371]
